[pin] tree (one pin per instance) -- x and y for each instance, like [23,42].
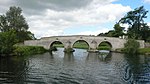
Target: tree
[118,30]
[14,20]
[135,20]
[7,40]
[110,33]
[131,46]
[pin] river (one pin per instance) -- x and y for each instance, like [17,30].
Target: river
[79,67]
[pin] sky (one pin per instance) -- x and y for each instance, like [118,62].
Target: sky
[73,17]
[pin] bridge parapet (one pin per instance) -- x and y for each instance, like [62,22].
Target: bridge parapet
[92,41]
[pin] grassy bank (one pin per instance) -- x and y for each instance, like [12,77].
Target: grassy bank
[81,45]
[144,51]
[140,51]
[28,50]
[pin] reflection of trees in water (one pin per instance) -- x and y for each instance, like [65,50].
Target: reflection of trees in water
[13,70]
[136,70]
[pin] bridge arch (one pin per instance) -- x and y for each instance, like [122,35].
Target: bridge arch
[68,41]
[82,44]
[59,44]
[105,45]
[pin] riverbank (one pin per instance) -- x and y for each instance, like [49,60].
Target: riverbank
[145,51]
[28,50]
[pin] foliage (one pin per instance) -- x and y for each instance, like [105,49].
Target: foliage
[7,40]
[13,29]
[118,31]
[28,50]
[131,46]
[14,20]
[144,50]
[135,19]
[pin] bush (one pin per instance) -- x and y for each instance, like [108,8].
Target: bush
[28,50]
[131,46]
[7,40]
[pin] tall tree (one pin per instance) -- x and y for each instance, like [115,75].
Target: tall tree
[135,20]
[118,30]
[14,20]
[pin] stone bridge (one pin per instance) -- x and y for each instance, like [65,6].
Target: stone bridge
[68,41]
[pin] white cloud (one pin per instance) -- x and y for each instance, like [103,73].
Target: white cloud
[4,4]
[52,20]
[147,1]
[96,32]
[91,15]
[148,24]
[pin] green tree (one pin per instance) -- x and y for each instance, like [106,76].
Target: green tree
[131,46]
[7,40]
[118,30]
[14,20]
[135,20]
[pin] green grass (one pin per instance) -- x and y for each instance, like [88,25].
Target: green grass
[81,45]
[104,46]
[140,51]
[144,50]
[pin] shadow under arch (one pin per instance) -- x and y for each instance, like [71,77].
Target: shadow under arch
[104,45]
[55,44]
[81,44]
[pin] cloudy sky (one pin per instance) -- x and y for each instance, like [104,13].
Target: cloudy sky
[73,17]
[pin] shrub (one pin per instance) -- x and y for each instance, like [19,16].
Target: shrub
[28,50]
[131,46]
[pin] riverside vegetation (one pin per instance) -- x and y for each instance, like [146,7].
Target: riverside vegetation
[13,30]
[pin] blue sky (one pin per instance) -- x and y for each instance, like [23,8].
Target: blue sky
[136,3]
[73,17]
[132,3]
